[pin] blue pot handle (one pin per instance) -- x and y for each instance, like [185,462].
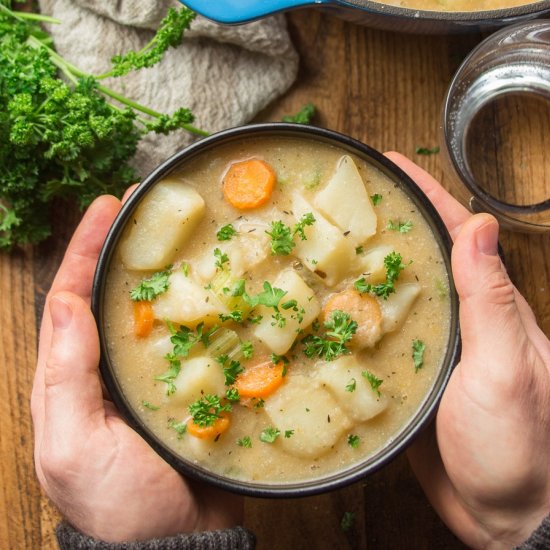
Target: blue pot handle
[240,11]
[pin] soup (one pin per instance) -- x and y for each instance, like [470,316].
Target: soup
[276,310]
[457,5]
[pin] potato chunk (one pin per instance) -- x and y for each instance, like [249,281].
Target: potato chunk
[361,404]
[303,406]
[396,308]
[198,376]
[161,225]
[325,251]
[345,202]
[280,339]
[187,303]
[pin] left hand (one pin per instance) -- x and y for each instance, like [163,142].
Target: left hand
[103,477]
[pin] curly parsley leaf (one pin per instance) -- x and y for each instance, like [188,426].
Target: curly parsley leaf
[418,349]
[153,286]
[179,427]
[170,375]
[393,263]
[299,228]
[376,199]
[207,410]
[221,258]
[269,434]
[374,382]
[354,441]
[427,150]
[282,242]
[245,442]
[269,297]
[226,233]
[339,329]
[401,227]
[231,372]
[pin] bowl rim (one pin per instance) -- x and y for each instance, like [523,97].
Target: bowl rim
[427,407]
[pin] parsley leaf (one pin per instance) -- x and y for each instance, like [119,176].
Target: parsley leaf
[376,199]
[351,385]
[270,297]
[402,227]
[231,372]
[247,349]
[281,238]
[153,286]
[418,349]
[347,521]
[150,406]
[354,441]
[305,220]
[427,151]
[207,410]
[303,116]
[269,435]
[374,382]
[232,394]
[179,427]
[221,258]
[393,263]
[170,375]
[226,232]
[289,433]
[245,442]
[236,315]
[339,329]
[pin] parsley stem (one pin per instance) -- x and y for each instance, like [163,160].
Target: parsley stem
[23,15]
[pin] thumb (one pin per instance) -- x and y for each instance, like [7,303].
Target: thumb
[493,334]
[73,396]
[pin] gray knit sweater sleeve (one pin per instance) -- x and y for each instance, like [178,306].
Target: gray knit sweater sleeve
[237,538]
[540,539]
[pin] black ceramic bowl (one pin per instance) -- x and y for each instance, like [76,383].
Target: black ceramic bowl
[427,408]
[375,14]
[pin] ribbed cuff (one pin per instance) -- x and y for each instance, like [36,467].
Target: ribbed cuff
[237,538]
[540,539]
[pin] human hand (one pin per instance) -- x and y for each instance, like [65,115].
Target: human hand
[486,469]
[101,474]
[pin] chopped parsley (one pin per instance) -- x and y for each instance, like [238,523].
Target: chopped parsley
[184,339]
[351,385]
[339,329]
[226,233]
[150,406]
[185,268]
[374,382]
[236,290]
[418,349]
[269,435]
[290,304]
[232,371]
[402,227]
[270,297]
[232,394]
[170,375]
[236,315]
[289,433]
[221,258]
[303,116]
[359,250]
[255,320]
[247,349]
[393,263]
[281,238]
[153,286]
[347,521]
[245,442]
[354,441]
[179,427]
[299,228]
[278,319]
[427,151]
[207,410]
[376,199]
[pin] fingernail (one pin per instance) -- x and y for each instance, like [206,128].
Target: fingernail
[487,238]
[61,313]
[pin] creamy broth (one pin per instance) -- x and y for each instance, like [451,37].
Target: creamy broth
[340,440]
[457,5]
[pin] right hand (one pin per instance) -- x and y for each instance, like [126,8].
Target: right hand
[486,470]
[104,478]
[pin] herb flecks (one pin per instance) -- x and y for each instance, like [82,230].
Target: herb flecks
[226,233]
[155,285]
[401,227]
[374,382]
[418,349]
[207,410]
[393,263]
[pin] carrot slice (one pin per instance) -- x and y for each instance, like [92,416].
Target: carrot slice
[260,380]
[209,432]
[248,184]
[143,318]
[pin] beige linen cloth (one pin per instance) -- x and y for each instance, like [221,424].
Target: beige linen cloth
[224,74]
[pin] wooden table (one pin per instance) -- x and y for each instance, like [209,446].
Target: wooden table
[385,89]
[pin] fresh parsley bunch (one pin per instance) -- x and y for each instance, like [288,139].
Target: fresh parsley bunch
[62,137]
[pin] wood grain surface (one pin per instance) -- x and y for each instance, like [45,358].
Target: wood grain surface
[385,89]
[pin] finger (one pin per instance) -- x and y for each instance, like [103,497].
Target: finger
[128,192]
[450,210]
[494,338]
[75,274]
[73,401]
